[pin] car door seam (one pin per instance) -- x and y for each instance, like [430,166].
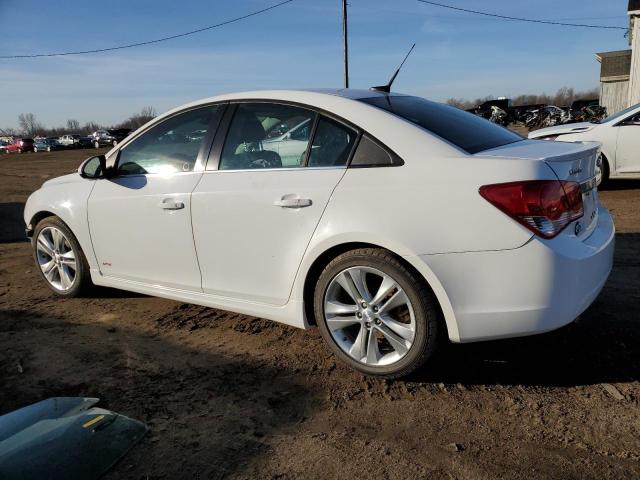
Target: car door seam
[306,248]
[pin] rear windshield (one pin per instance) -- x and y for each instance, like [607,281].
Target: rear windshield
[465,130]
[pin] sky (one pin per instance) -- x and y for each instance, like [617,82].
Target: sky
[298,45]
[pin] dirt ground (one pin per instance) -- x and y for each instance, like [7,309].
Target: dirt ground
[226,395]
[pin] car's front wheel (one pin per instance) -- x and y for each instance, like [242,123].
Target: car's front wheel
[375,313]
[59,258]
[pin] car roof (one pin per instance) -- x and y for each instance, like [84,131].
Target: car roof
[353,93]
[343,103]
[312,94]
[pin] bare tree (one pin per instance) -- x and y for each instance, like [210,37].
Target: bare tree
[29,124]
[91,127]
[148,111]
[138,119]
[73,125]
[8,132]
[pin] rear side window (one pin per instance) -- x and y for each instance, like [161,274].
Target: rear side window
[371,154]
[464,130]
[332,144]
[267,135]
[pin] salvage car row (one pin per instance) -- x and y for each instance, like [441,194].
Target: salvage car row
[99,138]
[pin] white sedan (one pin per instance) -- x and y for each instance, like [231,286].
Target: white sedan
[619,135]
[401,223]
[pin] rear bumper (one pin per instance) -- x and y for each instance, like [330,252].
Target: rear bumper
[538,287]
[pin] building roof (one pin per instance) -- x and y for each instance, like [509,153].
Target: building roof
[634,5]
[615,65]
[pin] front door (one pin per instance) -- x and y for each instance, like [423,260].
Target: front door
[254,216]
[140,220]
[628,146]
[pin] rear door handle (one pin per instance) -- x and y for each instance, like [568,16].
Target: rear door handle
[171,204]
[292,200]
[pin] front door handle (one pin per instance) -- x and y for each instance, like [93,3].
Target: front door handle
[292,200]
[171,204]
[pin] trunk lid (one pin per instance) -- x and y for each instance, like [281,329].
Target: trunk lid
[570,161]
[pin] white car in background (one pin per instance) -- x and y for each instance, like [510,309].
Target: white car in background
[619,135]
[402,222]
[69,140]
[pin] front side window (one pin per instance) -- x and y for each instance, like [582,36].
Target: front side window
[172,146]
[332,144]
[464,130]
[266,135]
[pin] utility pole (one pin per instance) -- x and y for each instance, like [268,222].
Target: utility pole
[346,45]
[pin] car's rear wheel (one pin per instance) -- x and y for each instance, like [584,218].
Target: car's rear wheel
[59,258]
[376,314]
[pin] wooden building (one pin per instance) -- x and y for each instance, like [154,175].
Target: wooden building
[614,79]
[620,70]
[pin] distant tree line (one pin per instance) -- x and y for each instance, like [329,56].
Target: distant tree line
[30,126]
[563,97]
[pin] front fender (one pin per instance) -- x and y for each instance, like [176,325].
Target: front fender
[67,200]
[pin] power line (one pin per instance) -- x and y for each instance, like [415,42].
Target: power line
[520,19]
[149,42]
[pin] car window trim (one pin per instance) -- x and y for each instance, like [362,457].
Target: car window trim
[205,147]
[312,137]
[397,159]
[623,122]
[215,152]
[213,160]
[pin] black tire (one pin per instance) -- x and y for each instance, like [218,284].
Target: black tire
[82,280]
[424,303]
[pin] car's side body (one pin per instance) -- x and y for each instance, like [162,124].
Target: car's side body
[20,145]
[46,145]
[618,135]
[230,246]
[70,140]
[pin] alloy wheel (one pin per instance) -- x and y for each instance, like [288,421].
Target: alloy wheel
[369,316]
[56,258]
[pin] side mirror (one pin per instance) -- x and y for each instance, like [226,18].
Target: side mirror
[94,167]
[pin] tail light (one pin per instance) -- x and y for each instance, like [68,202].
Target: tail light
[543,206]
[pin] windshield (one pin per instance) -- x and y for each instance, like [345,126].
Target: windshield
[615,116]
[466,131]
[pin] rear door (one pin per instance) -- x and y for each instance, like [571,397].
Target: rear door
[628,146]
[253,214]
